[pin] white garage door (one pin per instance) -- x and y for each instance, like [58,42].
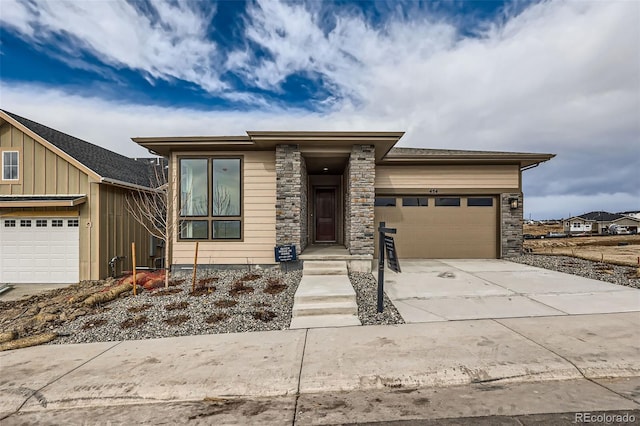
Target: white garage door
[39,250]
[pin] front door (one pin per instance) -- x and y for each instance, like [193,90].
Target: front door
[325,215]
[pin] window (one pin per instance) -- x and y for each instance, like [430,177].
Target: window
[480,202]
[41,223]
[25,223]
[414,202]
[72,223]
[56,223]
[211,194]
[10,167]
[448,202]
[10,223]
[194,229]
[385,202]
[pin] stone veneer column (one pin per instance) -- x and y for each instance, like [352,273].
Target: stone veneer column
[511,225]
[362,173]
[289,208]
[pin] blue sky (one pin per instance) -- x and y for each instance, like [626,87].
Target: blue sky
[541,76]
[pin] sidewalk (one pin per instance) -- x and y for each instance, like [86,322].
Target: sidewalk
[292,362]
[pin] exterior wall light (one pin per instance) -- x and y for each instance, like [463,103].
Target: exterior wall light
[513,203]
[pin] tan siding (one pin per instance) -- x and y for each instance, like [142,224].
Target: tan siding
[42,171]
[259,226]
[443,177]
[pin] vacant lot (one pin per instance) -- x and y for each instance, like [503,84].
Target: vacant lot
[616,249]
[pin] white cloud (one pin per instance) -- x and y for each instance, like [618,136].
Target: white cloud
[173,47]
[561,77]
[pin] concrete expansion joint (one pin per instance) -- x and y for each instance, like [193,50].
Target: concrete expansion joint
[622,395]
[37,393]
[304,350]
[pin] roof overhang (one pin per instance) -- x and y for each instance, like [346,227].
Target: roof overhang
[525,160]
[310,142]
[19,201]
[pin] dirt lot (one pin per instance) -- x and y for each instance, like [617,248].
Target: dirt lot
[615,249]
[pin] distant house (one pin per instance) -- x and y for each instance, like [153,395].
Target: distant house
[578,225]
[239,196]
[598,222]
[62,210]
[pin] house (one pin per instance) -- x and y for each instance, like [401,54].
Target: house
[600,221]
[62,210]
[239,196]
[577,224]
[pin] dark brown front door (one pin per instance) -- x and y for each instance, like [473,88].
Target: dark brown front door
[325,214]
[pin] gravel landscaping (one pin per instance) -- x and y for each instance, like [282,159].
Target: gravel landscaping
[228,301]
[621,275]
[232,301]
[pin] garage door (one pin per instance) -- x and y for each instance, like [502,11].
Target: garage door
[451,227]
[39,250]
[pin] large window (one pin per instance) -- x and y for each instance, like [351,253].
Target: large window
[211,198]
[10,166]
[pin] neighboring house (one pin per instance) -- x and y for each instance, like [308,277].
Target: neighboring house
[601,221]
[629,222]
[242,195]
[577,224]
[62,210]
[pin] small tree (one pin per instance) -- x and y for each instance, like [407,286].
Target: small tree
[152,209]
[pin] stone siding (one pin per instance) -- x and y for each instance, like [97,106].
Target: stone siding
[361,193]
[511,225]
[347,208]
[304,205]
[289,206]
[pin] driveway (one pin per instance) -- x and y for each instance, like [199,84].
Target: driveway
[461,289]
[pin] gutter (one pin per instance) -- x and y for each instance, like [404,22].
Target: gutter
[128,185]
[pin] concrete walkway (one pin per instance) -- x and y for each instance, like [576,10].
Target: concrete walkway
[301,362]
[444,290]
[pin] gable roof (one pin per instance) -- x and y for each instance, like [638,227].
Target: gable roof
[601,216]
[106,164]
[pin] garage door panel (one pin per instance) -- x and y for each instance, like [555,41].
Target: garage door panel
[442,232]
[39,254]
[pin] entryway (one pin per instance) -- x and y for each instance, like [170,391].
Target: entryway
[325,214]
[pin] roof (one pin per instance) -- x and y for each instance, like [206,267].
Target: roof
[42,200]
[107,164]
[421,155]
[601,216]
[383,141]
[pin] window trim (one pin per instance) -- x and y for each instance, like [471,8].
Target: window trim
[18,151]
[210,218]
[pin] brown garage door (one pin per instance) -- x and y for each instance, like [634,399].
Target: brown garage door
[448,227]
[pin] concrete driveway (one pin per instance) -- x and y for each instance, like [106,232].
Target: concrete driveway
[446,290]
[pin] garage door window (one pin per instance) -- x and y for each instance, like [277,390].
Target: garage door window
[415,202]
[385,202]
[25,223]
[10,223]
[448,202]
[480,202]
[41,223]
[56,223]
[72,223]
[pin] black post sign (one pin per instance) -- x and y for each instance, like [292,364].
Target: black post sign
[385,245]
[285,253]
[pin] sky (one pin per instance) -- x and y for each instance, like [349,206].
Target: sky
[558,77]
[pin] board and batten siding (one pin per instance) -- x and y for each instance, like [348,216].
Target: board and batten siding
[118,229]
[258,211]
[444,177]
[43,172]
